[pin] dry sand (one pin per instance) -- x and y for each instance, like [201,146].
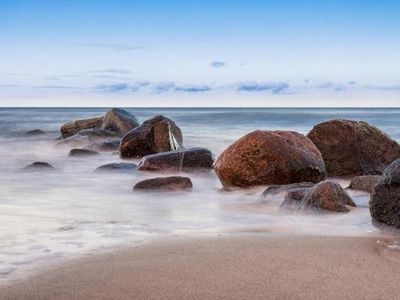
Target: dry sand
[253,266]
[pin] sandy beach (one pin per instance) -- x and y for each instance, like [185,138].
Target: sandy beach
[239,266]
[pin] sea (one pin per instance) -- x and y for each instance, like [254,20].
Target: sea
[47,217]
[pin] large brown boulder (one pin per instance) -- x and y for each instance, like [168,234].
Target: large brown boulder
[119,121]
[71,128]
[384,204]
[353,148]
[270,157]
[182,160]
[158,134]
[165,184]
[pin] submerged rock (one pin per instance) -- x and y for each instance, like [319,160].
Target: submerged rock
[276,189]
[165,184]
[39,165]
[105,146]
[384,204]
[34,132]
[364,183]
[71,128]
[199,159]
[158,134]
[270,157]
[327,195]
[82,152]
[88,136]
[116,167]
[353,148]
[119,120]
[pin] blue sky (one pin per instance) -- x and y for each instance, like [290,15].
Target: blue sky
[199,53]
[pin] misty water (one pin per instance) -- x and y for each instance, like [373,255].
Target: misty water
[48,216]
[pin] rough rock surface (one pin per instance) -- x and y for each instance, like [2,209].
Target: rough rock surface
[39,165]
[88,136]
[116,167]
[81,153]
[195,159]
[158,134]
[353,148]
[71,128]
[164,184]
[384,204]
[119,120]
[329,195]
[364,183]
[270,157]
[34,132]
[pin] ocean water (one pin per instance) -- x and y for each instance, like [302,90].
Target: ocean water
[47,217]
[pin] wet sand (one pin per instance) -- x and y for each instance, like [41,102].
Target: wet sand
[230,266]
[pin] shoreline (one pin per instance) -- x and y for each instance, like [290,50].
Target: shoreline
[228,265]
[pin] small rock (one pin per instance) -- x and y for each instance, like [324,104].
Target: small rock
[158,134]
[106,146]
[276,189]
[88,136]
[34,132]
[199,159]
[116,167]
[165,184]
[364,183]
[82,153]
[39,165]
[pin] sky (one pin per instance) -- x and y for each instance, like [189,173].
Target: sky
[134,53]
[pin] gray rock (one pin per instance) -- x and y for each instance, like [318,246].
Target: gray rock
[105,146]
[39,165]
[165,184]
[34,132]
[364,183]
[117,167]
[119,120]
[82,153]
[195,159]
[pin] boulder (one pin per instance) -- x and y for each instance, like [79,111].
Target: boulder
[384,204]
[71,128]
[82,153]
[199,159]
[327,195]
[165,184]
[353,148]
[158,134]
[270,157]
[34,132]
[364,183]
[117,167]
[105,146]
[39,165]
[119,120]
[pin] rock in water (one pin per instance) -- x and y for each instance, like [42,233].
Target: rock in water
[165,184]
[182,160]
[116,167]
[82,153]
[71,128]
[270,157]
[39,165]
[34,132]
[329,195]
[106,146]
[158,134]
[364,183]
[353,148]
[384,204]
[88,136]
[119,120]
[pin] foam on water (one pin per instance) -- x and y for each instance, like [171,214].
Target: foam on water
[54,215]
